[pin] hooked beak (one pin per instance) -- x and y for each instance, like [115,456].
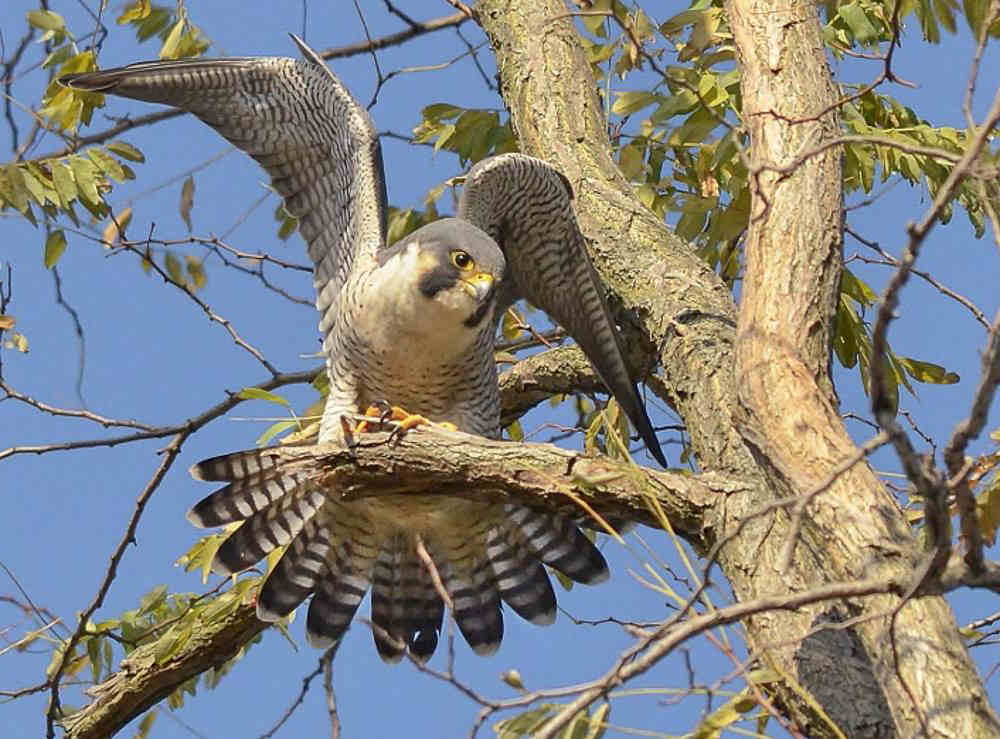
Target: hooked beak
[480,286]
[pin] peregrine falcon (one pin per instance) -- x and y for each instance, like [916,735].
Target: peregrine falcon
[412,324]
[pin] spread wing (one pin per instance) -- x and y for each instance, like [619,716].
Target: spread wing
[295,118]
[526,206]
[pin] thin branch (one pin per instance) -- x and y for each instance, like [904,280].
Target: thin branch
[890,261]
[331,698]
[966,431]
[920,472]
[306,682]
[189,426]
[54,710]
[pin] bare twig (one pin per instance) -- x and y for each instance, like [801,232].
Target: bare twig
[966,431]
[920,472]
[170,454]
[306,682]
[189,426]
[331,698]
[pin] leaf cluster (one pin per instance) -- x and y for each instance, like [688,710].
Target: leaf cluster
[681,143]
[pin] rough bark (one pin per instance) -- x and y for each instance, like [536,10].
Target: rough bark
[790,292]
[773,434]
[142,681]
[781,433]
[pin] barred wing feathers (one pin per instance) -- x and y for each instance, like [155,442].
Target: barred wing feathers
[526,205]
[302,125]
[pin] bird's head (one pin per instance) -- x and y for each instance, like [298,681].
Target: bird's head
[455,269]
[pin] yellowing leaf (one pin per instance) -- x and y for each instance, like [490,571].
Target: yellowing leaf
[55,245]
[6,322]
[275,429]
[134,11]
[174,269]
[196,272]
[172,42]
[65,187]
[255,393]
[187,200]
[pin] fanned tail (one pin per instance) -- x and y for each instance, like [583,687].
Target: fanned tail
[296,574]
[558,542]
[337,550]
[523,583]
[405,604]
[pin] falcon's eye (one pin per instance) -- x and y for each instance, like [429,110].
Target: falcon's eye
[462,260]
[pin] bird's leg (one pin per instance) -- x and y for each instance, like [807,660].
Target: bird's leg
[405,421]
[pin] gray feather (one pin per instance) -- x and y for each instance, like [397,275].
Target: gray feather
[526,205]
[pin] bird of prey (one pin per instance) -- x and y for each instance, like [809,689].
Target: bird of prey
[411,324]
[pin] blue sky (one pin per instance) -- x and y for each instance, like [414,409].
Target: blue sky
[150,354]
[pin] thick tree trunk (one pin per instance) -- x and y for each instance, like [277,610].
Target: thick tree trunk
[777,428]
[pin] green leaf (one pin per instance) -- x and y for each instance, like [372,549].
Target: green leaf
[126,151]
[514,432]
[62,180]
[153,599]
[255,393]
[928,372]
[275,429]
[146,725]
[630,102]
[525,724]
[859,23]
[87,177]
[988,512]
[13,188]
[107,164]
[55,245]
[94,655]
[695,129]
[855,287]
[725,716]
[441,111]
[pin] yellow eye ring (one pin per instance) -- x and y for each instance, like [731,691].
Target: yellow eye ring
[462,260]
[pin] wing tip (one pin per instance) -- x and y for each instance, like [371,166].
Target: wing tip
[86,81]
[640,419]
[308,53]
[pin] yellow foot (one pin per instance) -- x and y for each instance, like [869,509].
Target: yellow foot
[406,421]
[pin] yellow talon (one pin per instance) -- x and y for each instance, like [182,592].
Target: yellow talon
[405,420]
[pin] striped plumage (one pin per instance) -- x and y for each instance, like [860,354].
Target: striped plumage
[405,324]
